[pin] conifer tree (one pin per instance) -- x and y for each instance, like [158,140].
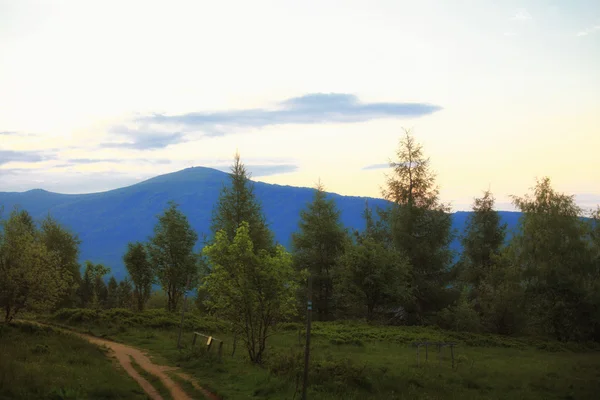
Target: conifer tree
[482,242]
[112,295]
[238,203]
[419,226]
[317,245]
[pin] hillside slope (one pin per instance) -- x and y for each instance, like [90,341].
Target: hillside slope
[107,221]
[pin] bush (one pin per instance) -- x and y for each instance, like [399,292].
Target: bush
[118,318]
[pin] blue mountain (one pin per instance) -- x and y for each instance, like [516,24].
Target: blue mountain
[107,221]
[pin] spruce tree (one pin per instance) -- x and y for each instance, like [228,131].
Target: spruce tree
[238,203]
[317,245]
[420,227]
[112,296]
[482,242]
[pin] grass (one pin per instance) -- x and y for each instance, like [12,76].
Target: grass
[153,379]
[353,360]
[42,363]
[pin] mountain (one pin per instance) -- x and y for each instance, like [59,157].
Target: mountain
[107,221]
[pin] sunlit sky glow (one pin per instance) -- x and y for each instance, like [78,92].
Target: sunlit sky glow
[98,95]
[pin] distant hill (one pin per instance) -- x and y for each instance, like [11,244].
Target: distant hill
[107,221]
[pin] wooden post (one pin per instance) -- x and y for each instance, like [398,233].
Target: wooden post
[418,346]
[194,340]
[440,354]
[452,352]
[426,351]
[220,349]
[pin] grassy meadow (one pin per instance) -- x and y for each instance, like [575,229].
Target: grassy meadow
[353,360]
[42,363]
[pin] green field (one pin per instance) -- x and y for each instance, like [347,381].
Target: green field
[42,363]
[358,361]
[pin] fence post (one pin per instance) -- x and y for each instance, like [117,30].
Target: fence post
[452,352]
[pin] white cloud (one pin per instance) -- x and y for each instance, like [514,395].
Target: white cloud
[521,15]
[589,31]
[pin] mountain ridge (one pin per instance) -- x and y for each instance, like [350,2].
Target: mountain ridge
[107,221]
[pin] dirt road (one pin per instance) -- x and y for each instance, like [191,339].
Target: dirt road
[122,353]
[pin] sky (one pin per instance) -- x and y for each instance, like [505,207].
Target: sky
[96,95]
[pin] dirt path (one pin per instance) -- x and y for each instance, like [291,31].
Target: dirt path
[122,352]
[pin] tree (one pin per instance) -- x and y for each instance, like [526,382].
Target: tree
[125,294]
[462,316]
[32,277]
[372,274]
[93,291]
[554,254]
[316,247]
[140,271]
[482,240]
[65,245]
[171,254]
[237,203]
[419,225]
[254,291]
[112,296]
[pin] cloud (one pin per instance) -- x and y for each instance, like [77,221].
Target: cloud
[143,139]
[589,31]
[7,156]
[377,166]
[116,160]
[521,15]
[15,133]
[257,170]
[309,109]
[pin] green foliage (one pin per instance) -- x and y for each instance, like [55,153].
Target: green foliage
[556,258]
[41,363]
[32,276]
[140,271]
[482,241]
[93,291]
[118,320]
[253,291]
[171,254]
[237,203]
[125,294]
[112,295]
[462,316]
[316,247]
[419,225]
[371,275]
[65,245]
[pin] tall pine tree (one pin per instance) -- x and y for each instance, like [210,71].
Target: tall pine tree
[317,245]
[237,203]
[482,242]
[420,227]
